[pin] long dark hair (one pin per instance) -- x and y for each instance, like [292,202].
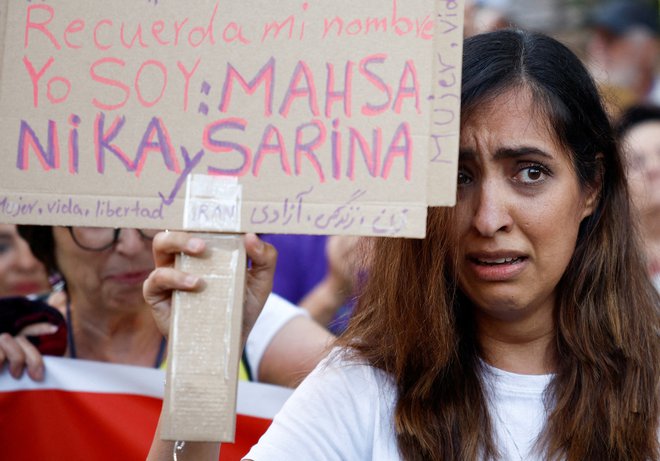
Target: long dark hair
[413,322]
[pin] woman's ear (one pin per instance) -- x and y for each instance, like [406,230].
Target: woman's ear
[594,190]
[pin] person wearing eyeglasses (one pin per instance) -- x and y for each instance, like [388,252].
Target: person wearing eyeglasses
[108,320]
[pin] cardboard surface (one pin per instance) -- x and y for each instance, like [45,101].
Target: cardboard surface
[204,345]
[446,103]
[289,116]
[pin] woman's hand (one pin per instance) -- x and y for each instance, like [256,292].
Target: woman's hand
[259,280]
[165,278]
[19,354]
[23,350]
[331,293]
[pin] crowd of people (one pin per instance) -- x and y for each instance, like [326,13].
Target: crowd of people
[524,326]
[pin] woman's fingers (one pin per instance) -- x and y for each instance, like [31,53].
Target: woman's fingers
[160,283]
[19,354]
[33,358]
[38,329]
[158,287]
[13,354]
[167,245]
[263,257]
[157,291]
[259,279]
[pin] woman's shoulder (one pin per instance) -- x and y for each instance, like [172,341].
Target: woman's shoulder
[347,381]
[342,410]
[345,365]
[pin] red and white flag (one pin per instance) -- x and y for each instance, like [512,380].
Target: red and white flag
[106,412]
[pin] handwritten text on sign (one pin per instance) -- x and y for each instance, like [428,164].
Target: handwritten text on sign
[110,111]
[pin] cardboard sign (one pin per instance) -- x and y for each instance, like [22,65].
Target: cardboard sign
[446,103]
[305,116]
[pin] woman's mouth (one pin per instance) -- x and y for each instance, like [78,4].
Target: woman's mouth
[130,277]
[497,261]
[28,288]
[496,268]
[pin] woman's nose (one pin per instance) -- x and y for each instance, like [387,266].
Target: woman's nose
[492,212]
[25,260]
[130,241]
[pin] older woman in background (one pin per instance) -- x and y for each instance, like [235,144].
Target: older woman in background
[108,319]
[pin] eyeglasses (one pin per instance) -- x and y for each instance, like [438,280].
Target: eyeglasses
[102,238]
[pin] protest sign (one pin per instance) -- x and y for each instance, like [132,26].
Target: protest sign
[445,103]
[317,117]
[295,116]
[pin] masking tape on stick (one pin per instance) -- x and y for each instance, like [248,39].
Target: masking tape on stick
[204,346]
[213,203]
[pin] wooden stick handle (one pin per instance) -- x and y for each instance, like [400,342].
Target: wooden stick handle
[203,357]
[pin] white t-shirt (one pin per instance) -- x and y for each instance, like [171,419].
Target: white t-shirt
[276,313]
[343,411]
[517,411]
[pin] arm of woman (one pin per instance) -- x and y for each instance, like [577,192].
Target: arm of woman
[158,290]
[294,351]
[331,293]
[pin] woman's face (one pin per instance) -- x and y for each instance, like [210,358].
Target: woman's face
[110,278]
[642,144]
[519,209]
[20,272]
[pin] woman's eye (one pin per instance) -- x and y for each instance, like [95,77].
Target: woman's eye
[5,247]
[532,174]
[463,178]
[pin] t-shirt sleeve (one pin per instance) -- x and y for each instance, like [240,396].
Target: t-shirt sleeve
[330,416]
[276,313]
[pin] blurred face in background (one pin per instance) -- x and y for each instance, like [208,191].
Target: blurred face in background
[642,145]
[626,62]
[631,62]
[20,272]
[104,267]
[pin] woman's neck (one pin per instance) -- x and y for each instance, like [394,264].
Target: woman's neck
[118,337]
[524,347]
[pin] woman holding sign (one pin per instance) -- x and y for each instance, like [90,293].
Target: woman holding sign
[524,326]
[108,320]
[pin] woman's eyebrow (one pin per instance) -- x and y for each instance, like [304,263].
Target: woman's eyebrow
[466,154]
[515,152]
